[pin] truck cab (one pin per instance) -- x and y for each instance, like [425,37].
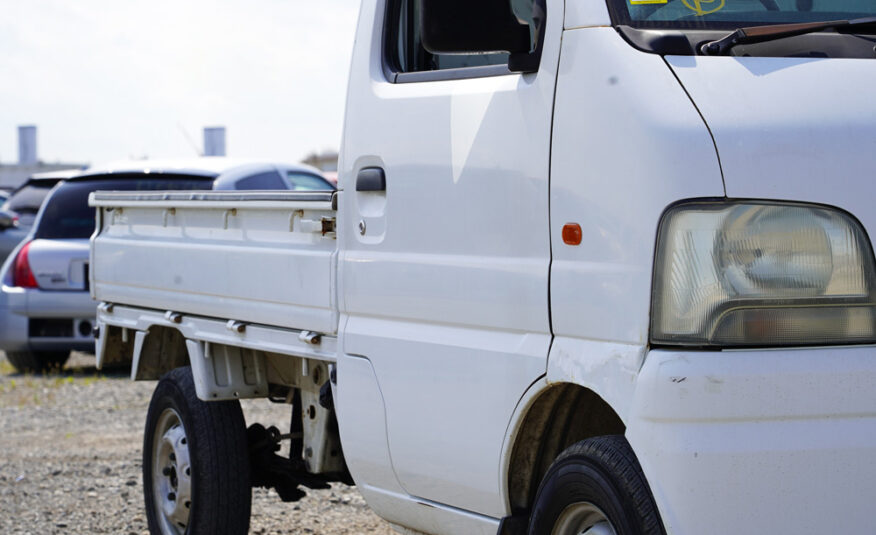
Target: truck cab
[526,244]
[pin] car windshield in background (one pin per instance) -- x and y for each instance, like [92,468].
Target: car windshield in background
[68,216]
[267,181]
[28,199]
[730,14]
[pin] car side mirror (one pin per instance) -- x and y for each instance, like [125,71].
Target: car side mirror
[7,220]
[482,26]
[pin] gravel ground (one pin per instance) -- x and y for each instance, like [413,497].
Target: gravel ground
[70,460]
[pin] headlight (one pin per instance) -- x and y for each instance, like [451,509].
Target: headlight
[762,274]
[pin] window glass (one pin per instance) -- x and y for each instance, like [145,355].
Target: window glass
[67,214]
[307,182]
[269,180]
[410,56]
[28,199]
[727,14]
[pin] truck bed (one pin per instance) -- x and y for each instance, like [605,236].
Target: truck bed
[209,254]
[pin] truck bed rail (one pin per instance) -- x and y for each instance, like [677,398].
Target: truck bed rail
[120,198]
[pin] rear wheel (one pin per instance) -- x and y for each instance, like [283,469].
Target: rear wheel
[195,462]
[37,361]
[595,487]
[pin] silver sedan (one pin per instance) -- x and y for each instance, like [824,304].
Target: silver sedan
[45,306]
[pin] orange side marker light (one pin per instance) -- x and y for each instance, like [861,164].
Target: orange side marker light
[572,234]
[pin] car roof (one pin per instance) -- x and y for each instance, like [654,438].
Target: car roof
[302,168]
[63,174]
[209,167]
[46,179]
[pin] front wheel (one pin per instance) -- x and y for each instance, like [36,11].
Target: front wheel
[195,462]
[595,487]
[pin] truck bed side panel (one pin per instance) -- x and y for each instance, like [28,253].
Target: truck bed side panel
[226,256]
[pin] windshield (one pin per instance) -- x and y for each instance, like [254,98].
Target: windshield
[730,14]
[68,216]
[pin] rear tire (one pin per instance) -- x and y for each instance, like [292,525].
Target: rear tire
[196,474]
[37,361]
[595,487]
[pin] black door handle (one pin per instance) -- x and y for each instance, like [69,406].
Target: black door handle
[371,179]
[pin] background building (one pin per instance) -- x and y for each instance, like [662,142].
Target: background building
[13,175]
[326,161]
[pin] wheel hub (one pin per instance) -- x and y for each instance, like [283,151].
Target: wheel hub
[171,474]
[583,518]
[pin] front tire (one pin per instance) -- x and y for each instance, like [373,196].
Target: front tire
[595,487]
[195,462]
[37,361]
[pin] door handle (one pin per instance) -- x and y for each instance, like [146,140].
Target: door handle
[371,179]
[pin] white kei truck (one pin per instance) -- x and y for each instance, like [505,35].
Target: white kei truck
[593,268]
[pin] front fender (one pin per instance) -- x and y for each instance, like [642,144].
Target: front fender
[609,369]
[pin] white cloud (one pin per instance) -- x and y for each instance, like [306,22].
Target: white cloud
[107,79]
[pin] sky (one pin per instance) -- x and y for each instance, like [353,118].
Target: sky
[112,79]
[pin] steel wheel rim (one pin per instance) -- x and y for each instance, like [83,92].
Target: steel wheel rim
[583,518]
[171,474]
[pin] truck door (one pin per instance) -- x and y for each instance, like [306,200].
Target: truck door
[445,246]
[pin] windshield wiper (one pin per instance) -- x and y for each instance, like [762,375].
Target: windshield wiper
[759,34]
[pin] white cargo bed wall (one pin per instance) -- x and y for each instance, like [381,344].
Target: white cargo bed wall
[259,257]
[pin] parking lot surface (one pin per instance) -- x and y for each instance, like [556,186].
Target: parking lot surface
[70,460]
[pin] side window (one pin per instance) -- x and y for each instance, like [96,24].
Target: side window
[405,50]
[270,180]
[307,182]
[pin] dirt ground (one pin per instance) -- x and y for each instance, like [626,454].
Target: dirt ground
[70,461]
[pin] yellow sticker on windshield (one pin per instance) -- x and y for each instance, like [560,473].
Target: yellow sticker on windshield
[640,2]
[697,6]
